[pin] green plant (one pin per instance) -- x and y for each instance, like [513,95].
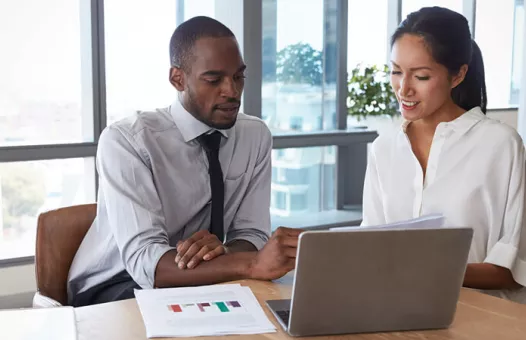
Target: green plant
[370,93]
[23,192]
[299,63]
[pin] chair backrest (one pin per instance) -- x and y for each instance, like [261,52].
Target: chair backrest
[59,235]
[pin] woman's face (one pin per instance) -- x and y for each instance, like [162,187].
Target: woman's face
[422,86]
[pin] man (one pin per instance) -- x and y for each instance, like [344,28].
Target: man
[168,177]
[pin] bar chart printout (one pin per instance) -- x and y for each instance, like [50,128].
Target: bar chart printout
[201,311]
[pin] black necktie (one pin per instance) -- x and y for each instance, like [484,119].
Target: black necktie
[211,145]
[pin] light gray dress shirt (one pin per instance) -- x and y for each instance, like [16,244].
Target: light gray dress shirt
[154,190]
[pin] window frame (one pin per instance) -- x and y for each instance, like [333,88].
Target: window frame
[350,144]
[93,78]
[92,84]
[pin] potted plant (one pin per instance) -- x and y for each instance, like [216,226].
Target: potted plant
[370,94]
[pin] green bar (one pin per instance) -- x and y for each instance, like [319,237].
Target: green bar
[222,306]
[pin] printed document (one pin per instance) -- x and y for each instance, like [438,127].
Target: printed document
[40,323]
[202,311]
[424,222]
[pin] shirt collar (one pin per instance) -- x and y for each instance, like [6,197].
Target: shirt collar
[190,127]
[460,124]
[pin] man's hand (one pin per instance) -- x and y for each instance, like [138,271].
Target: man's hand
[278,256]
[202,246]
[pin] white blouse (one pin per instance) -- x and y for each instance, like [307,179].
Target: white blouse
[475,177]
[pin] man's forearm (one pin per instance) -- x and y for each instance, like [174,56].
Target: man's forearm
[240,246]
[489,276]
[229,267]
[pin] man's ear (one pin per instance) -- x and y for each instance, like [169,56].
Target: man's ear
[459,78]
[177,78]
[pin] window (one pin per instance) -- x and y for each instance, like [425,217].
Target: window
[501,48]
[299,64]
[300,101]
[409,6]
[367,44]
[304,181]
[194,8]
[41,74]
[46,112]
[518,50]
[29,188]
[279,200]
[137,51]
[293,176]
[298,202]
[52,79]
[297,176]
[137,55]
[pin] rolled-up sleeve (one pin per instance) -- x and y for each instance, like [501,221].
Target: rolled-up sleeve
[132,203]
[510,250]
[252,220]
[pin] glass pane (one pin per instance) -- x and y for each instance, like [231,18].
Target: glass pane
[497,47]
[303,182]
[374,37]
[29,188]
[409,6]
[299,64]
[40,73]
[193,8]
[137,55]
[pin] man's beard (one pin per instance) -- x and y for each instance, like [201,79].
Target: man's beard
[195,111]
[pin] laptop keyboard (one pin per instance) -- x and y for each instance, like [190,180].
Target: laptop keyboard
[284,315]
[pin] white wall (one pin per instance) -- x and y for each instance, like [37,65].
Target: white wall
[17,286]
[509,117]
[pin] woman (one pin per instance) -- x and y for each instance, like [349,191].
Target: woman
[448,157]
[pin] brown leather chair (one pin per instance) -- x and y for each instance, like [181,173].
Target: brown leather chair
[59,234]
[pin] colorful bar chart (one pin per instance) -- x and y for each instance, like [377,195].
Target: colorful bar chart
[223,306]
[234,304]
[175,308]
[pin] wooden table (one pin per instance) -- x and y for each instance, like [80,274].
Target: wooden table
[478,317]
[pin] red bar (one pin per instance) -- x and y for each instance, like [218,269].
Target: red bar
[176,308]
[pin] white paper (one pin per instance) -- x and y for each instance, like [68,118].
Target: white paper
[202,311]
[40,323]
[424,222]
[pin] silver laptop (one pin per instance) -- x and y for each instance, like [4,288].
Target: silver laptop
[375,281]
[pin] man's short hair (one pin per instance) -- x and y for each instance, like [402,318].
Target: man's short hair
[185,35]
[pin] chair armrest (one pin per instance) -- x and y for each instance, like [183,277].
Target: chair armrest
[41,301]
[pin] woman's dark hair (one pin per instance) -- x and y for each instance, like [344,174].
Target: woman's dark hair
[446,34]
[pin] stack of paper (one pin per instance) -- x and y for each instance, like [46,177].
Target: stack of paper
[432,221]
[202,311]
[41,323]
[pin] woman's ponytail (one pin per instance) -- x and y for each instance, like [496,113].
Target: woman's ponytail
[472,91]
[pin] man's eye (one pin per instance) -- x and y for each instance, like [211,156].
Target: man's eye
[213,81]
